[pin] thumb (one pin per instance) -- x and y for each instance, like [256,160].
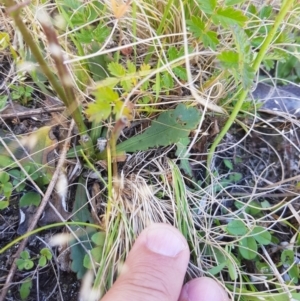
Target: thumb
[155,267]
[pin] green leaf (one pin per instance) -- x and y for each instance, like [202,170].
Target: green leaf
[131,67]
[84,36]
[263,267]
[210,39]
[296,296]
[7,189]
[116,69]
[265,12]
[96,254]
[25,255]
[109,82]
[74,4]
[233,2]
[3,204]
[78,250]
[261,235]
[242,44]
[252,9]
[217,269]
[253,208]
[81,213]
[127,85]
[229,59]
[287,257]
[47,253]
[196,26]
[294,273]
[102,107]
[106,94]
[25,289]
[232,269]
[26,264]
[30,198]
[248,248]
[168,82]
[3,101]
[4,40]
[207,6]
[80,210]
[268,64]
[172,51]
[42,261]
[247,73]
[237,228]
[99,238]
[169,128]
[235,177]
[184,160]
[5,160]
[4,177]
[100,33]
[98,111]
[228,17]
[228,164]
[181,73]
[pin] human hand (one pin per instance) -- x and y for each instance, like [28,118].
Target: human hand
[155,269]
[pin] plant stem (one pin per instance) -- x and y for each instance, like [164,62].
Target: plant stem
[256,64]
[62,224]
[66,95]
[160,28]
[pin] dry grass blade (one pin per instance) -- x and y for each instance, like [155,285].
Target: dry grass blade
[39,212]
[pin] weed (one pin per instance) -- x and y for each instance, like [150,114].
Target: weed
[6,189]
[113,63]
[21,93]
[25,262]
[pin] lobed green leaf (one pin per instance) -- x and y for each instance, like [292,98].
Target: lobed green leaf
[229,16]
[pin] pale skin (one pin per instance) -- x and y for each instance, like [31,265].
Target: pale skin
[155,270]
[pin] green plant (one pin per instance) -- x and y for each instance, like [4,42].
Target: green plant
[25,288]
[193,53]
[96,252]
[65,88]
[21,93]
[34,162]
[25,262]
[6,189]
[169,128]
[287,258]
[248,66]
[248,244]
[3,101]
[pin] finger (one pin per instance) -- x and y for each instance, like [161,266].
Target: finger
[203,289]
[155,267]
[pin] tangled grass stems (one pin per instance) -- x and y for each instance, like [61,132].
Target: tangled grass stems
[135,199]
[242,94]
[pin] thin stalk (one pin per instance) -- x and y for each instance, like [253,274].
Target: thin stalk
[92,167]
[134,28]
[256,64]
[34,48]
[65,93]
[62,224]
[109,185]
[110,239]
[160,28]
